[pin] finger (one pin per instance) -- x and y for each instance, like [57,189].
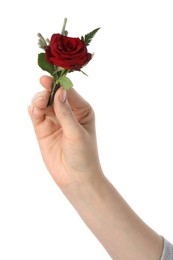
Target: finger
[65,115]
[38,107]
[76,101]
[46,82]
[81,108]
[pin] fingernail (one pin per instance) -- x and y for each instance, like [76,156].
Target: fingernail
[63,96]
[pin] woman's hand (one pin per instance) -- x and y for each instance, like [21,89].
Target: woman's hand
[66,135]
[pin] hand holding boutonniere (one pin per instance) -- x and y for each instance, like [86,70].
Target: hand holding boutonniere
[62,55]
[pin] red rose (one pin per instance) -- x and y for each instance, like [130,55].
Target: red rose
[67,52]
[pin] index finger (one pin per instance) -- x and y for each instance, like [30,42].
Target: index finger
[46,82]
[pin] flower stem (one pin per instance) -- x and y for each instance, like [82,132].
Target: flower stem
[55,87]
[64,25]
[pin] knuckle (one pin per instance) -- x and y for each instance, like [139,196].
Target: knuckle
[40,99]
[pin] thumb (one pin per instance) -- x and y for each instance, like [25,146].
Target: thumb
[64,114]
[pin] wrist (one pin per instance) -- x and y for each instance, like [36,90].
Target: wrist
[83,193]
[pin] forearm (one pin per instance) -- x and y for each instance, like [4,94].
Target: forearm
[123,234]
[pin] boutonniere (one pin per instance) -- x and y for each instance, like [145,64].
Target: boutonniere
[62,55]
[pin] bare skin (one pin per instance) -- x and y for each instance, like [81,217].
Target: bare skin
[67,139]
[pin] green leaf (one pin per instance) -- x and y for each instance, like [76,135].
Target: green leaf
[88,37]
[44,65]
[65,82]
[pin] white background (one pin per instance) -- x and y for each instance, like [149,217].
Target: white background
[130,87]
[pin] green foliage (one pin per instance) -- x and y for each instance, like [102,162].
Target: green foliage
[65,82]
[89,36]
[44,65]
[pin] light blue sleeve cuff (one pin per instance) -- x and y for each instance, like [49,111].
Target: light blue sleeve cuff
[167,253]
